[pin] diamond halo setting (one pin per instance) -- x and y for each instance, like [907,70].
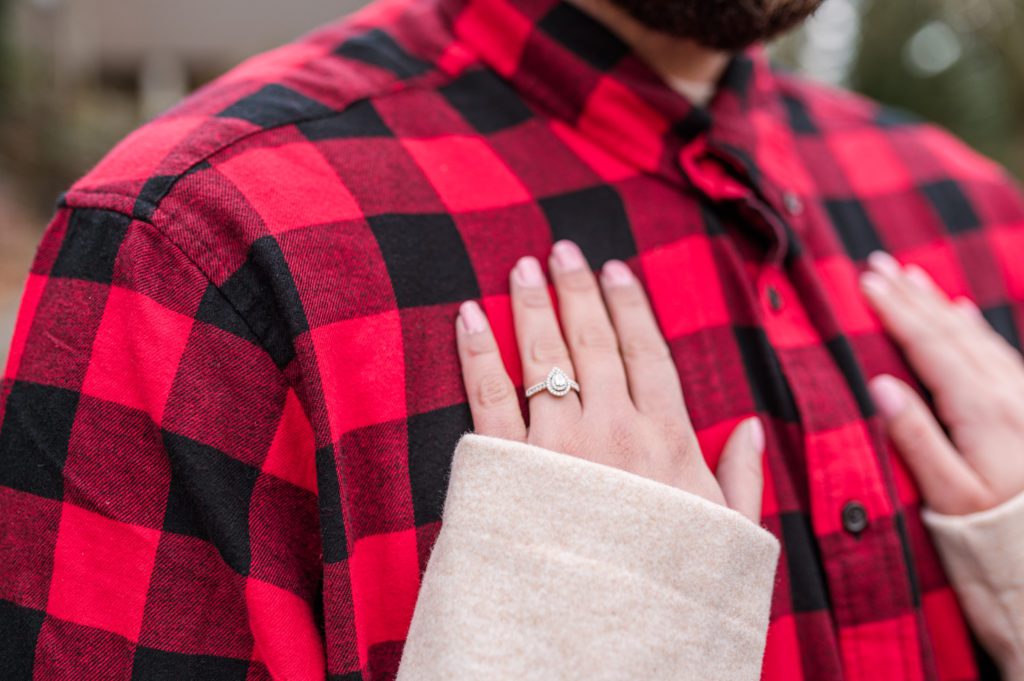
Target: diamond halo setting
[557,383]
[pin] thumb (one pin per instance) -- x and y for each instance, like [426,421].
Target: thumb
[739,473]
[948,484]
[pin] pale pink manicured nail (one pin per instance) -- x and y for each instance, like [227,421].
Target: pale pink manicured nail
[527,272]
[883,263]
[888,394]
[473,319]
[969,308]
[568,256]
[616,273]
[919,277]
[755,430]
[874,283]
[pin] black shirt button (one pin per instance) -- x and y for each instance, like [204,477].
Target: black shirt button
[855,517]
[774,298]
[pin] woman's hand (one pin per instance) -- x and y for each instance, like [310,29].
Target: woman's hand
[976,379]
[629,412]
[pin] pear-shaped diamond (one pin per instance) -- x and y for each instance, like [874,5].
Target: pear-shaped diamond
[558,382]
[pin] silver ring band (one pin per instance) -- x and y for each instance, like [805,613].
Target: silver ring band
[557,383]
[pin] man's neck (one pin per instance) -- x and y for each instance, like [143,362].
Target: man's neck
[687,67]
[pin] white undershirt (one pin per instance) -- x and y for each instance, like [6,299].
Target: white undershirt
[697,91]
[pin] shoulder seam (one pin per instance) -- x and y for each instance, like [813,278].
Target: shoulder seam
[394,87]
[167,239]
[429,79]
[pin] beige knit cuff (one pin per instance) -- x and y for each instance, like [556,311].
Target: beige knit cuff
[549,566]
[984,556]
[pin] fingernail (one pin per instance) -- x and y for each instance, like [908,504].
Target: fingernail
[755,431]
[874,283]
[883,263]
[888,394]
[568,256]
[473,319]
[528,272]
[616,273]
[919,277]
[969,308]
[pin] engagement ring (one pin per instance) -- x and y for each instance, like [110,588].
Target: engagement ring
[557,383]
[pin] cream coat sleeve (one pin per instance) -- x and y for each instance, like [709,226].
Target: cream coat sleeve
[984,556]
[551,567]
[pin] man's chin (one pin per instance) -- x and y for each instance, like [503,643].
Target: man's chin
[724,25]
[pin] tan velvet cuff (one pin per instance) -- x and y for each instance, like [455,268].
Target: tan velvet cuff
[984,556]
[548,566]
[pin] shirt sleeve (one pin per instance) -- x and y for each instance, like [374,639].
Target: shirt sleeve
[550,566]
[984,555]
[158,514]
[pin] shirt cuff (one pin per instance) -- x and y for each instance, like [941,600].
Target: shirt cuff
[984,556]
[550,565]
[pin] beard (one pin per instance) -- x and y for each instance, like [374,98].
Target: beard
[728,25]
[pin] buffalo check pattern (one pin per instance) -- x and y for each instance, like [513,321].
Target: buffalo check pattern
[233,392]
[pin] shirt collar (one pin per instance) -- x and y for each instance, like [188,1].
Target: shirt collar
[574,68]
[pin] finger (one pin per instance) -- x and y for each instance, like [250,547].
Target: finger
[541,345]
[969,309]
[492,396]
[650,371]
[958,355]
[991,344]
[740,473]
[925,311]
[948,484]
[923,283]
[588,331]
[925,342]
[974,339]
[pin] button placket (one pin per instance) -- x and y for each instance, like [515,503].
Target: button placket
[849,499]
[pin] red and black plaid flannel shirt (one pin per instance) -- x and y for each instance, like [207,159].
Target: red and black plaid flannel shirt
[233,393]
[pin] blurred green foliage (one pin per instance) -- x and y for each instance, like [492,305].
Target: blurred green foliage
[959,63]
